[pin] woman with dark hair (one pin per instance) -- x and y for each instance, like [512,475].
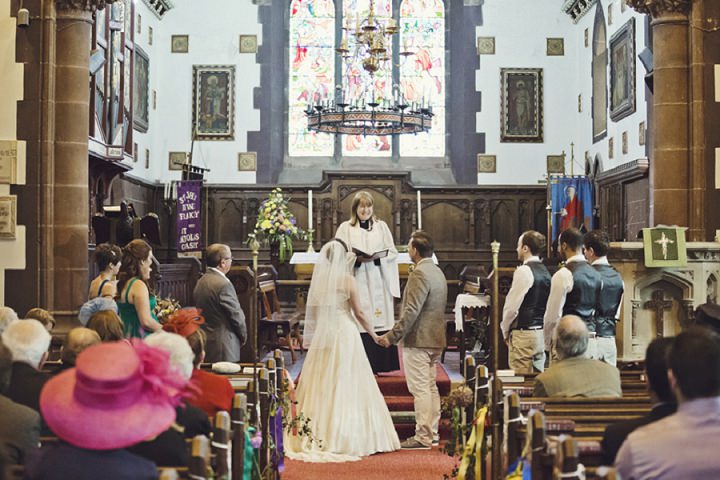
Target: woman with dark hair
[377,279]
[135,303]
[107,258]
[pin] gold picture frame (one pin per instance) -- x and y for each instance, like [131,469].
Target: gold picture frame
[556,164]
[486,45]
[521,105]
[486,163]
[179,43]
[248,44]
[176,160]
[247,161]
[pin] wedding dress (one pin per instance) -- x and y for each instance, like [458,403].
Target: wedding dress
[337,390]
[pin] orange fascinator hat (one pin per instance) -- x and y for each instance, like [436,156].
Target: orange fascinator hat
[184,321]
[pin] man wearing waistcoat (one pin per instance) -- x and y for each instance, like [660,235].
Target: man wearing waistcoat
[522,320]
[607,311]
[574,290]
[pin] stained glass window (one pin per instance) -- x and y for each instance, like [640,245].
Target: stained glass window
[313,29]
[422,76]
[358,83]
[312,72]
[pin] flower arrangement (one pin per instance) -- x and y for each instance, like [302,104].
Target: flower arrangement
[276,225]
[165,307]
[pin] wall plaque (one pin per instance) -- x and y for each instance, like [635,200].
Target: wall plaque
[8,216]
[8,161]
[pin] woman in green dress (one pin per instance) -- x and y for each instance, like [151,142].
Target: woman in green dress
[135,303]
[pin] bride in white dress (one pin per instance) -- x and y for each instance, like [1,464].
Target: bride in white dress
[337,391]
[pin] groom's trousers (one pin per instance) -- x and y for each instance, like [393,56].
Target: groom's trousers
[420,365]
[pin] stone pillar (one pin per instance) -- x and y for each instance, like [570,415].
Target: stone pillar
[70,198]
[671,173]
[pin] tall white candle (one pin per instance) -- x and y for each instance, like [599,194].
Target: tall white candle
[419,211]
[310,210]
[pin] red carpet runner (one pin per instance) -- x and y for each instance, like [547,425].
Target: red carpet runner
[400,465]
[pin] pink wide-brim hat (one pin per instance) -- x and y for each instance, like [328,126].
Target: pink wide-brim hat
[119,394]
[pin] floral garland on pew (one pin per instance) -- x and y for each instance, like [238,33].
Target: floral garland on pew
[456,404]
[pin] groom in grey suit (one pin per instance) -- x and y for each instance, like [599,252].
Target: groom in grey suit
[224,319]
[421,328]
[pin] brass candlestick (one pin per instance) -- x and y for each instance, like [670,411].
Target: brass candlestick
[310,248]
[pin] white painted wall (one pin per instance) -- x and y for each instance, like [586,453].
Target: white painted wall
[214,28]
[520,28]
[583,62]
[12,252]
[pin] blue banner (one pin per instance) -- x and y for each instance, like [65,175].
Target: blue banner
[572,204]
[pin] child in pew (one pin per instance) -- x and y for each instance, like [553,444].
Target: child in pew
[118,395]
[212,393]
[661,396]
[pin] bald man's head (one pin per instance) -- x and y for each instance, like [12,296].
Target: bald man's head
[571,337]
[77,340]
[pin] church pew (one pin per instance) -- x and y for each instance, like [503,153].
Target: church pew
[221,443]
[239,415]
[199,467]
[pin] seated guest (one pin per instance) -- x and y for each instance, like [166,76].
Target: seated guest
[96,305]
[212,393]
[7,316]
[19,425]
[42,316]
[108,325]
[708,315]
[575,375]
[193,420]
[28,341]
[661,397]
[118,395]
[77,340]
[683,445]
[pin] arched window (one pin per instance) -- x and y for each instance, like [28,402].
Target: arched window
[599,75]
[422,76]
[312,74]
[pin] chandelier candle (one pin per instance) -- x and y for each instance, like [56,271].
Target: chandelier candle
[419,222]
[310,219]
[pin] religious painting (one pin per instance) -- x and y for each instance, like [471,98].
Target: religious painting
[622,72]
[625,143]
[486,45]
[486,163]
[555,47]
[150,35]
[587,37]
[248,44]
[664,247]
[176,160]
[556,164]
[8,216]
[141,116]
[135,153]
[521,102]
[213,102]
[179,43]
[611,148]
[571,199]
[247,161]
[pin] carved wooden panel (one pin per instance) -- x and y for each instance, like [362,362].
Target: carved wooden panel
[227,218]
[243,279]
[447,223]
[504,222]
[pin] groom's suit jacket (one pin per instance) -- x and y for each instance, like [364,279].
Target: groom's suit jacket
[422,311]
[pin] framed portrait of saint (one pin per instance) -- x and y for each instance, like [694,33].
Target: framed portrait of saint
[213,102]
[521,102]
[141,108]
[622,72]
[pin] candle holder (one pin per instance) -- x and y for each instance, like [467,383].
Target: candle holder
[310,248]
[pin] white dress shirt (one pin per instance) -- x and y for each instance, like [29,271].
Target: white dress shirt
[604,261]
[560,285]
[523,280]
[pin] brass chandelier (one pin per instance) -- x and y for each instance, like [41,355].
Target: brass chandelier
[339,115]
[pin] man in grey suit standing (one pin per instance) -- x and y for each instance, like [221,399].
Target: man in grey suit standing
[224,319]
[421,328]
